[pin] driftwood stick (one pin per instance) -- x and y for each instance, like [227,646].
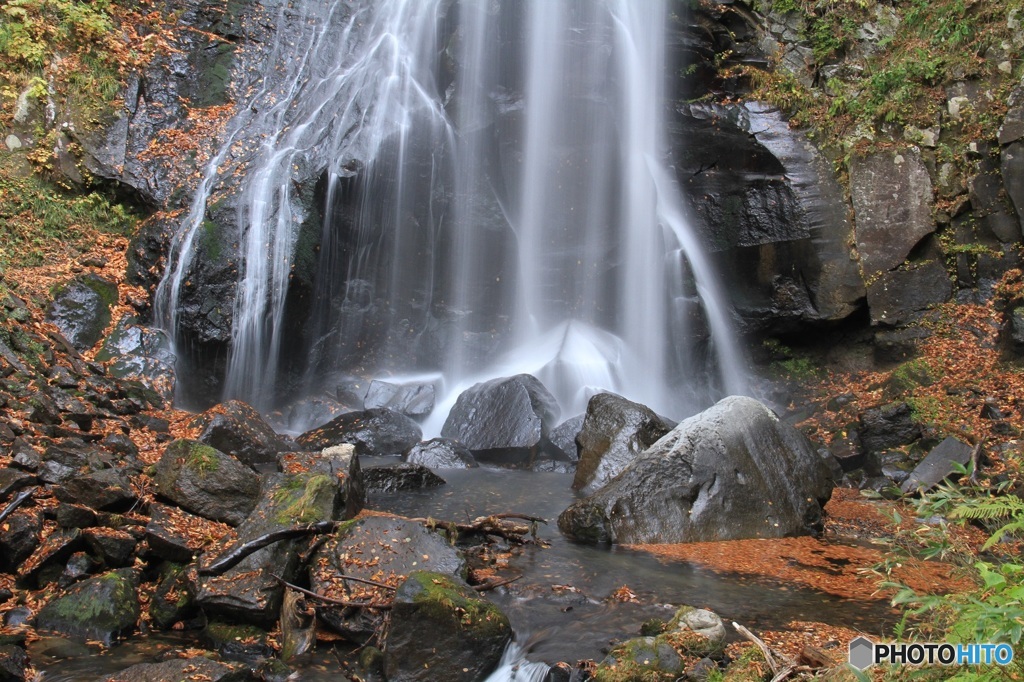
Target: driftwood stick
[16,502]
[976,459]
[367,582]
[784,673]
[760,645]
[232,557]
[328,600]
[497,583]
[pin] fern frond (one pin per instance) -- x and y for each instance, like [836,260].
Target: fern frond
[990,508]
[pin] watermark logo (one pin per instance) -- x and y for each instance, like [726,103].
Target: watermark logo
[864,653]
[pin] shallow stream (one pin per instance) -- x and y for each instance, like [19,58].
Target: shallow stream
[562,608]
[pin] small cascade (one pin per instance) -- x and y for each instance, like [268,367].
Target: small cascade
[491,194]
[515,668]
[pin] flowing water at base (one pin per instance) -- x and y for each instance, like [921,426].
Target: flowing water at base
[563,607]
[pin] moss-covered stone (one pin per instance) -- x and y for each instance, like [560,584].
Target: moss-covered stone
[642,659]
[236,641]
[173,600]
[442,630]
[305,499]
[103,608]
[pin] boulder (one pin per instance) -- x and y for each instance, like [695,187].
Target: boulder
[886,427]
[641,658]
[207,482]
[133,351]
[395,478]
[733,471]
[81,309]
[19,537]
[175,535]
[441,453]
[384,549]
[699,632]
[114,548]
[103,608]
[504,421]
[442,630]
[379,431]
[13,663]
[563,437]
[237,429]
[412,400]
[615,431]
[173,600]
[340,462]
[248,592]
[937,465]
[103,490]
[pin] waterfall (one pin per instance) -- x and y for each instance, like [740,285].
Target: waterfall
[495,196]
[514,667]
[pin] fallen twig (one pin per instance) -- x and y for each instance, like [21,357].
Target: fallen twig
[776,670]
[234,556]
[329,600]
[497,583]
[16,502]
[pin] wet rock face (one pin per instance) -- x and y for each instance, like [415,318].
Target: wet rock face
[441,453]
[733,471]
[769,207]
[892,198]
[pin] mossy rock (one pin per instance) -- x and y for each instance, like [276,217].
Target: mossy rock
[442,630]
[103,608]
[696,632]
[173,600]
[81,309]
[207,482]
[235,641]
[642,659]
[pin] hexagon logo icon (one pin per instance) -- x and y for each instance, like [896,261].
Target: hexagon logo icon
[862,653]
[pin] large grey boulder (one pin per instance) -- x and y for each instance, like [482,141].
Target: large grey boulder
[615,431]
[378,431]
[505,420]
[207,482]
[235,428]
[731,472]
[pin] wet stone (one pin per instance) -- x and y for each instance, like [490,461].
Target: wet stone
[115,548]
[395,478]
[19,537]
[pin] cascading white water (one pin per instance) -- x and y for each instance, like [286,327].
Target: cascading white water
[497,201]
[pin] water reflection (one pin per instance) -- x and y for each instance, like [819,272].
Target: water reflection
[563,606]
